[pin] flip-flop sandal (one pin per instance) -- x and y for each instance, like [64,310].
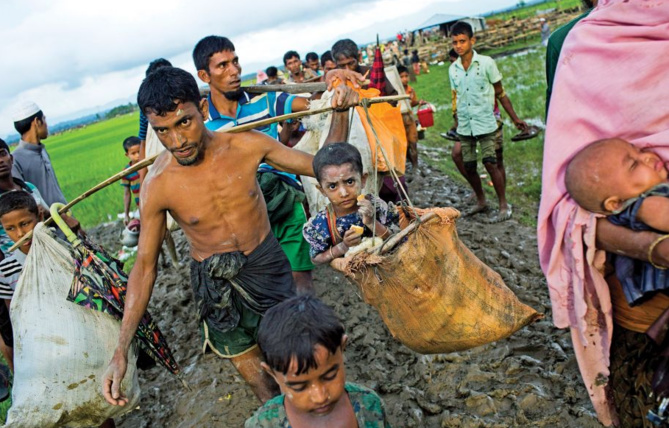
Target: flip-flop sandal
[502,216]
[476,210]
[532,131]
[450,135]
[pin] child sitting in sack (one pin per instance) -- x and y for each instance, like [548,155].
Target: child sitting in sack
[303,344]
[350,216]
[629,185]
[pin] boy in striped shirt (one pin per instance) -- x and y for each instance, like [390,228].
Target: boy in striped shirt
[131,145]
[18,215]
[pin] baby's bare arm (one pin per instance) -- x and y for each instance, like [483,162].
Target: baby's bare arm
[654,212]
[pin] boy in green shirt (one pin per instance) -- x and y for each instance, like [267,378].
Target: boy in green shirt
[476,82]
[303,343]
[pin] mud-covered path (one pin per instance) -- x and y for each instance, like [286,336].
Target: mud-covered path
[529,379]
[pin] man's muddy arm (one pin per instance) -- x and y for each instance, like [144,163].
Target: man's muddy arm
[140,287]
[624,241]
[284,158]
[338,132]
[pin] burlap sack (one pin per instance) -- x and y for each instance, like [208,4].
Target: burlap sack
[434,294]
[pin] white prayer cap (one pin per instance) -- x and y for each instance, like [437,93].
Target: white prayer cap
[542,19]
[24,110]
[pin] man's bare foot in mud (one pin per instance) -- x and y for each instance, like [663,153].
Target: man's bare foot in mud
[479,208]
[503,215]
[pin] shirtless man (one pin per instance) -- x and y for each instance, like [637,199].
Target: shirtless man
[207,182]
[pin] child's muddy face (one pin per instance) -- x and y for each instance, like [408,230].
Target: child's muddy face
[17,223]
[316,392]
[342,185]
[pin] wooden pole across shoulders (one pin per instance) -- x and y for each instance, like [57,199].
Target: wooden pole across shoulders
[235,129]
[291,88]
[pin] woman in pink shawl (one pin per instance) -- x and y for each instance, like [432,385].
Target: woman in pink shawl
[610,81]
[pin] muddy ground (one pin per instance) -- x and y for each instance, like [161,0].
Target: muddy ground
[529,379]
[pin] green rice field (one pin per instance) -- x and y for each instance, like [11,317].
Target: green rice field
[525,83]
[86,156]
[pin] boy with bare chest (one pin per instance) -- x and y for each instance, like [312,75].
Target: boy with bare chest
[206,180]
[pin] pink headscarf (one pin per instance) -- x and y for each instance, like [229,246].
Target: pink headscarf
[610,81]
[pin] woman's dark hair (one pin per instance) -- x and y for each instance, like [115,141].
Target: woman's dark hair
[336,154]
[162,90]
[293,328]
[208,46]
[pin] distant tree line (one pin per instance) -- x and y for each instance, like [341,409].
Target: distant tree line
[121,110]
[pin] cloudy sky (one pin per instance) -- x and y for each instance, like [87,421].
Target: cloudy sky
[73,57]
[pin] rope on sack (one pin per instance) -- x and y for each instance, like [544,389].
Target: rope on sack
[365,103]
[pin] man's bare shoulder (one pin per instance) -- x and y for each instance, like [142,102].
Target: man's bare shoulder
[158,174]
[248,141]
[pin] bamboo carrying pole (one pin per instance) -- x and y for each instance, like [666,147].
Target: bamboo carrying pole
[147,162]
[291,88]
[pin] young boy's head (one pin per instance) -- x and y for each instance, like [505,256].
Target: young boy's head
[19,215]
[131,146]
[462,37]
[303,342]
[338,169]
[404,75]
[606,173]
[313,61]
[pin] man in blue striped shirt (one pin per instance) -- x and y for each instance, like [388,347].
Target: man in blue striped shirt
[229,105]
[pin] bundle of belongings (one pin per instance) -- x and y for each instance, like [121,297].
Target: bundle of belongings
[432,292]
[66,314]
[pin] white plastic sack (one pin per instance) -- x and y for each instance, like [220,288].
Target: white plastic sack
[61,349]
[317,127]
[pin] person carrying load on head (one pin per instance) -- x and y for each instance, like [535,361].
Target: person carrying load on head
[207,181]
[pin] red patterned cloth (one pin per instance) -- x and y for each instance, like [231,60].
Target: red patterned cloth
[377,78]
